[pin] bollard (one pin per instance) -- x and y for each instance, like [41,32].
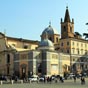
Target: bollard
[29,81]
[1,82]
[21,81]
[46,81]
[12,81]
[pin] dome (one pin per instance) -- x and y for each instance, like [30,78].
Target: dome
[46,42]
[46,45]
[50,30]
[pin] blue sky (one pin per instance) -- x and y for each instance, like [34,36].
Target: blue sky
[28,18]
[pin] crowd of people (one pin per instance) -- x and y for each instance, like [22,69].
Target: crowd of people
[48,79]
[51,79]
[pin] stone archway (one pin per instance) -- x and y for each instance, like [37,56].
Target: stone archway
[23,69]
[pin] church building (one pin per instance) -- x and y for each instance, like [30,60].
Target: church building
[53,55]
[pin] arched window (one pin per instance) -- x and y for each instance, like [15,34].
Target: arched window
[57,39]
[64,28]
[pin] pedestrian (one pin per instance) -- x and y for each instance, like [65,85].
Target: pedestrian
[55,79]
[61,79]
[37,79]
[82,80]
[44,79]
[74,78]
[50,79]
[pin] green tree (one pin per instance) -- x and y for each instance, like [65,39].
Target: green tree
[86,35]
[77,33]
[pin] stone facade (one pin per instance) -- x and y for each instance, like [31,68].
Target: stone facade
[50,56]
[74,45]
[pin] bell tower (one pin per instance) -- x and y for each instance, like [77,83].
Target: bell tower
[67,27]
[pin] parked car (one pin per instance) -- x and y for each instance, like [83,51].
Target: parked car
[78,75]
[84,74]
[71,75]
[41,78]
[4,78]
[33,78]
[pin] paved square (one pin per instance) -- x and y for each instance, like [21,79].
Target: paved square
[66,84]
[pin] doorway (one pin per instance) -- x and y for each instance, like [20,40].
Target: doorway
[39,68]
[23,72]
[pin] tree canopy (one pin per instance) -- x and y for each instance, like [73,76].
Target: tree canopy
[86,35]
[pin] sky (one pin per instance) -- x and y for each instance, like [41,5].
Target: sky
[28,18]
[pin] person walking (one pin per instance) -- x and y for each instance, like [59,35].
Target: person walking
[74,78]
[82,80]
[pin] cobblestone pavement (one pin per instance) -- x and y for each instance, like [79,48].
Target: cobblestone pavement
[66,84]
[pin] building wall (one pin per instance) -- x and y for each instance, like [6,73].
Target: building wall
[22,44]
[2,54]
[67,30]
[50,63]
[5,68]
[2,43]
[23,60]
[79,47]
[36,61]
[2,64]
[65,45]
[54,63]
[74,46]
[65,63]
